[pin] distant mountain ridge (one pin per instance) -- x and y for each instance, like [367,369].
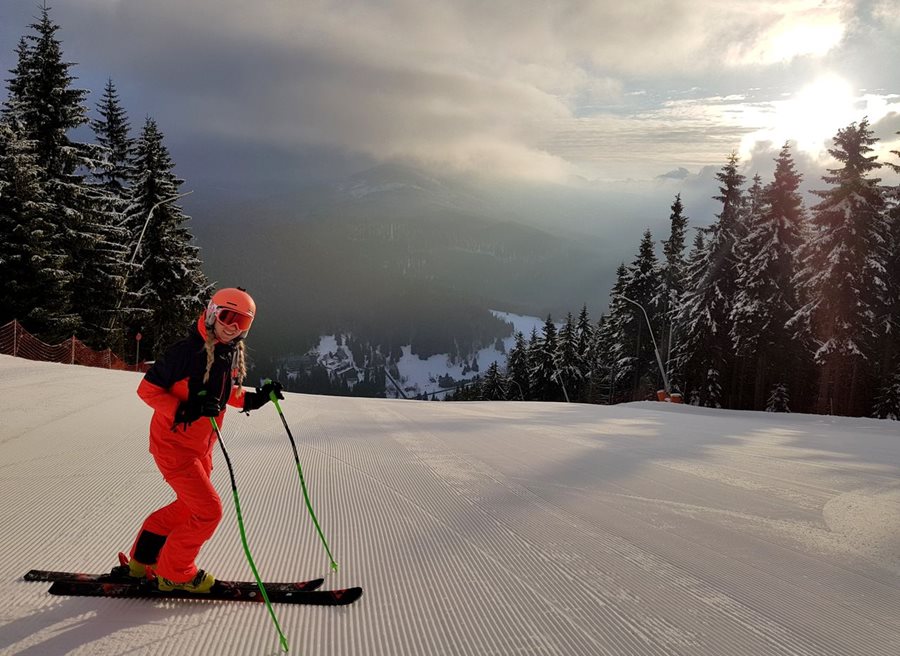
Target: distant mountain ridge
[398,255]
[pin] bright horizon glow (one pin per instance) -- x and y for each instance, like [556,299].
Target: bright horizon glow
[811,117]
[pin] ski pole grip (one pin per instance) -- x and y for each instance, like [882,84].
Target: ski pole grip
[272,397]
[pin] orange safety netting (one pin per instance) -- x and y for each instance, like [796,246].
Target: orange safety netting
[18,342]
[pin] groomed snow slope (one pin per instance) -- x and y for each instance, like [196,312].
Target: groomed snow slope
[475,528]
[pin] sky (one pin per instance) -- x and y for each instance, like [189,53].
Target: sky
[565,92]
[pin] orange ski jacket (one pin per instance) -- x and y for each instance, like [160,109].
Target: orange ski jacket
[174,378]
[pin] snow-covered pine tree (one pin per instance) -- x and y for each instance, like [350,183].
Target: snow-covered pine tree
[534,357]
[887,401]
[689,356]
[599,387]
[744,334]
[890,342]
[517,369]
[111,175]
[673,278]
[83,234]
[844,276]
[32,266]
[712,389]
[614,349]
[704,341]
[570,364]
[779,400]
[43,108]
[41,94]
[18,85]
[112,132]
[167,276]
[585,341]
[545,371]
[643,287]
[766,298]
[493,387]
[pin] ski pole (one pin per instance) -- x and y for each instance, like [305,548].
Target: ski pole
[274,399]
[240,518]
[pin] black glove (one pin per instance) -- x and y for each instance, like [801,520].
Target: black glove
[195,407]
[256,400]
[271,386]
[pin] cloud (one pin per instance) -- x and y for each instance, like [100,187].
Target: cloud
[519,88]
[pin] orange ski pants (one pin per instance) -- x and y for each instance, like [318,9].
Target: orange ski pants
[188,522]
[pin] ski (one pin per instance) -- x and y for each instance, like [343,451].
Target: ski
[124,579]
[285,593]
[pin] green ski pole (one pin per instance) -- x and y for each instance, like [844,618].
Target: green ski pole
[240,518]
[274,399]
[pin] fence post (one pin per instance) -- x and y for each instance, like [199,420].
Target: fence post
[73,349]
[15,338]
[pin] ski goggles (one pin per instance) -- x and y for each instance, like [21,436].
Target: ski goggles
[228,317]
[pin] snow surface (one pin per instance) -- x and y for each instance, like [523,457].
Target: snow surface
[475,528]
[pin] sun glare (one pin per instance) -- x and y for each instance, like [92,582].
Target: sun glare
[812,116]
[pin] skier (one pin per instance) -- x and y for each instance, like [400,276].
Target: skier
[192,382]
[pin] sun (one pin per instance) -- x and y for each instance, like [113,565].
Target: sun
[814,115]
[811,117]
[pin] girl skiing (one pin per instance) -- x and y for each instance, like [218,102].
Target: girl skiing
[192,382]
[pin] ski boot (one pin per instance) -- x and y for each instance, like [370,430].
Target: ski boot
[130,569]
[200,584]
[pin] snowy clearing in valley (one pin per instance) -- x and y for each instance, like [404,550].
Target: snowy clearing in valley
[474,528]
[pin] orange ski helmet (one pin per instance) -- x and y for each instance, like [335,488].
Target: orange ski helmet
[231,306]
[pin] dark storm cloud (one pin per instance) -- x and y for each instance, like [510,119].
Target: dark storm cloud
[517,89]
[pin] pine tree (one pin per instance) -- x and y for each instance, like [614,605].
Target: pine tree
[844,276]
[116,169]
[167,276]
[585,347]
[585,333]
[43,107]
[31,266]
[42,96]
[766,298]
[534,356]
[599,387]
[545,371]
[570,363]
[890,344]
[80,235]
[704,341]
[615,346]
[493,387]
[643,288]
[692,330]
[517,369]
[18,85]
[108,312]
[887,402]
[672,277]
[779,400]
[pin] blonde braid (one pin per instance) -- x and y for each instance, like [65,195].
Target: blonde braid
[210,347]
[239,363]
[241,368]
